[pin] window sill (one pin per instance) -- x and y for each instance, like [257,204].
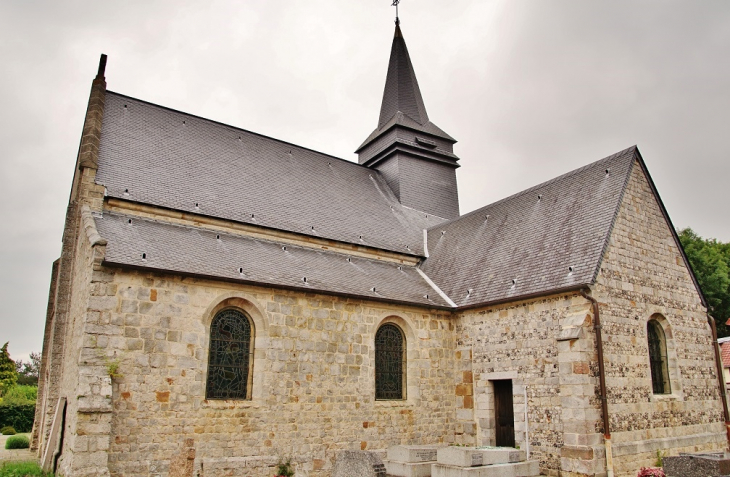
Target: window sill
[664,397]
[393,403]
[228,404]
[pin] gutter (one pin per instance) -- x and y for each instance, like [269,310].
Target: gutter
[720,379]
[602,380]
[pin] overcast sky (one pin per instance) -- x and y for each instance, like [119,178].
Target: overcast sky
[530,89]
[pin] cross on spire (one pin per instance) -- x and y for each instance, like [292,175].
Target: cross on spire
[395,4]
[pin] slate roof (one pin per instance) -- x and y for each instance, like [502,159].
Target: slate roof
[158,156]
[532,237]
[197,251]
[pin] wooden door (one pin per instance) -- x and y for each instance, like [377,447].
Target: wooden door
[504,413]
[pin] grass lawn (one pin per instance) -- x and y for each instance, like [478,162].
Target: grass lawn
[22,469]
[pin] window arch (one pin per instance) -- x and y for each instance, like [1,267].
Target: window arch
[230,357]
[390,360]
[658,357]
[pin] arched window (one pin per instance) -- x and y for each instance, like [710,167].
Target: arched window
[230,358]
[658,358]
[390,362]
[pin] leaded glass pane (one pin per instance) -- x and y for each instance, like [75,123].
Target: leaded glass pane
[658,358]
[229,356]
[389,360]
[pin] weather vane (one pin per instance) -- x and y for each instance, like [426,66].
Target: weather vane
[395,4]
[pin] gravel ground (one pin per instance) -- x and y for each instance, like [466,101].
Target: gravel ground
[15,454]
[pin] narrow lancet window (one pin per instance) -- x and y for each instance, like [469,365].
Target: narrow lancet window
[658,358]
[389,362]
[230,358]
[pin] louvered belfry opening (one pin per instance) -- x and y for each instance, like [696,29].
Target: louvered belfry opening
[230,356]
[389,362]
[658,358]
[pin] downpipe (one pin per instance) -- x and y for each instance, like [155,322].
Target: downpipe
[602,382]
[720,377]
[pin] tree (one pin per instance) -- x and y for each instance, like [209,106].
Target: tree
[28,371]
[710,260]
[8,375]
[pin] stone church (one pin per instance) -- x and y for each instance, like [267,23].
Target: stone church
[225,301]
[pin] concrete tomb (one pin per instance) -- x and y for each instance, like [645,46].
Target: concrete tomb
[411,461]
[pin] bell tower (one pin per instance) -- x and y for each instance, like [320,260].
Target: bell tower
[414,155]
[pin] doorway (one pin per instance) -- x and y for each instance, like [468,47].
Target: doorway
[504,417]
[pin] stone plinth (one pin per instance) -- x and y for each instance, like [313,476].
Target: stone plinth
[697,465]
[358,464]
[518,469]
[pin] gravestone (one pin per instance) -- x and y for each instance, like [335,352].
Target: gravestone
[358,464]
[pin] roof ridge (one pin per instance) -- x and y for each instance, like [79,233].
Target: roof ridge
[542,184]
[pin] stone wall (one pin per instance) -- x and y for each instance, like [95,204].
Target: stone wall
[313,376]
[520,341]
[643,275]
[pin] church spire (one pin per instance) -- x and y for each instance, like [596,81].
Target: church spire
[401,86]
[415,157]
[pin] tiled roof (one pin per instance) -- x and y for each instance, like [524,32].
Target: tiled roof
[532,237]
[162,157]
[725,351]
[207,253]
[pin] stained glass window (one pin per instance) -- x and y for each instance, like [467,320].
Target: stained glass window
[389,362]
[229,359]
[658,358]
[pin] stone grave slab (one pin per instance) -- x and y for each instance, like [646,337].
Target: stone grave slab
[697,465]
[476,456]
[410,460]
[501,455]
[406,453]
[358,464]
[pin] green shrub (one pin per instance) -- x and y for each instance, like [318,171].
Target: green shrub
[22,469]
[7,431]
[19,416]
[284,469]
[17,442]
[20,394]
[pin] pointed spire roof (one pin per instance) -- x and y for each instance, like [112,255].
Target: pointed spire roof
[402,101]
[401,86]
